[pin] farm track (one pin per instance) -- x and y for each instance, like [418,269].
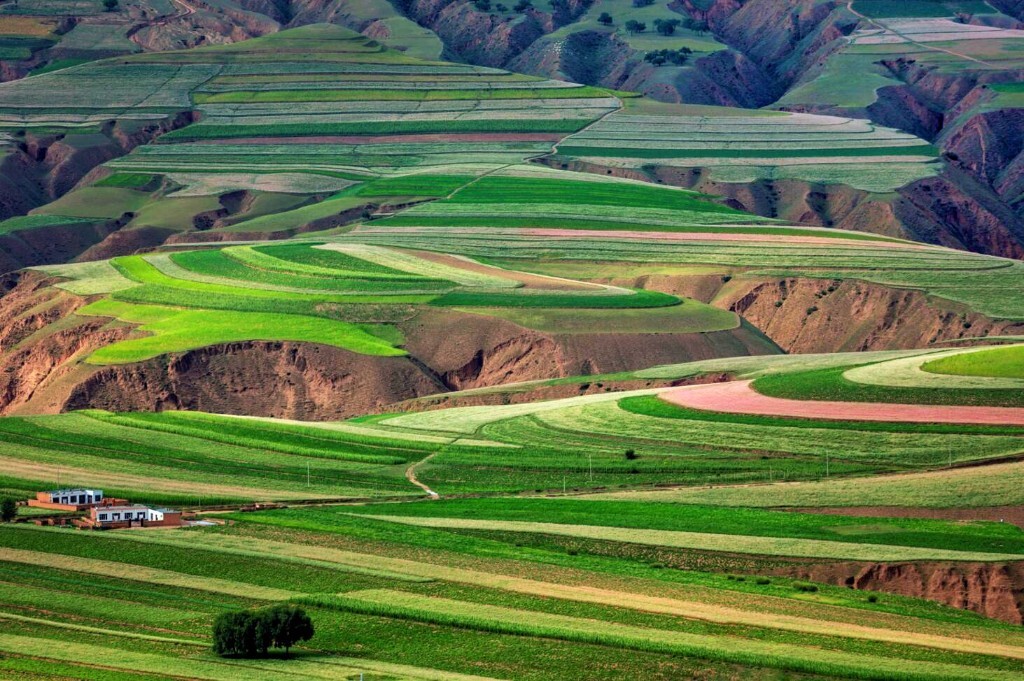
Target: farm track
[739,397]
[410,475]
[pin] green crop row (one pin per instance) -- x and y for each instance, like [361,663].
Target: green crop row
[355,95]
[718,152]
[451,127]
[638,299]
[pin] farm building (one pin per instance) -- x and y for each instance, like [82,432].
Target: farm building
[68,499]
[135,515]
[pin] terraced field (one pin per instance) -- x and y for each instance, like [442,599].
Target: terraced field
[340,294]
[549,235]
[289,131]
[740,146]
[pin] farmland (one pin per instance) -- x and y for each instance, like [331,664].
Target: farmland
[756,146]
[507,376]
[498,594]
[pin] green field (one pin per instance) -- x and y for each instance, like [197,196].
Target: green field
[998,363]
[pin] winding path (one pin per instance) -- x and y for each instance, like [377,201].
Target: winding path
[410,475]
[738,397]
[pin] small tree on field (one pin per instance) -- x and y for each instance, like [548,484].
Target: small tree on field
[523,5]
[110,5]
[666,27]
[252,633]
[605,19]
[8,510]
[631,455]
[698,26]
[634,26]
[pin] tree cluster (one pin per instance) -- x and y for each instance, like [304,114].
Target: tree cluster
[662,57]
[666,26]
[698,26]
[8,510]
[251,633]
[634,26]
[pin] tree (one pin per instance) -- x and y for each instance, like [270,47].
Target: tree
[631,455]
[662,57]
[634,26]
[605,19]
[698,26]
[523,5]
[110,5]
[250,633]
[8,510]
[483,5]
[666,27]
[289,625]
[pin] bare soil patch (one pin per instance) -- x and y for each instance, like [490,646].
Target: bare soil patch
[738,397]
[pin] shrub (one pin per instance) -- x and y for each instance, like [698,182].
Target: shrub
[872,598]
[252,633]
[805,587]
[763,581]
[605,19]
[523,5]
[110,5]
[631,455]
[483,5]
[8,510]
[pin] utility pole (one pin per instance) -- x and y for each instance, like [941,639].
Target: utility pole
[307,474]
[590,456]
[563,483]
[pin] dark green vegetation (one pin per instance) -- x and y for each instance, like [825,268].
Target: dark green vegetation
[639,299]
[253,633]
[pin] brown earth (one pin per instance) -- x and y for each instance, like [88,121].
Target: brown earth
[992,589]
[850,315]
